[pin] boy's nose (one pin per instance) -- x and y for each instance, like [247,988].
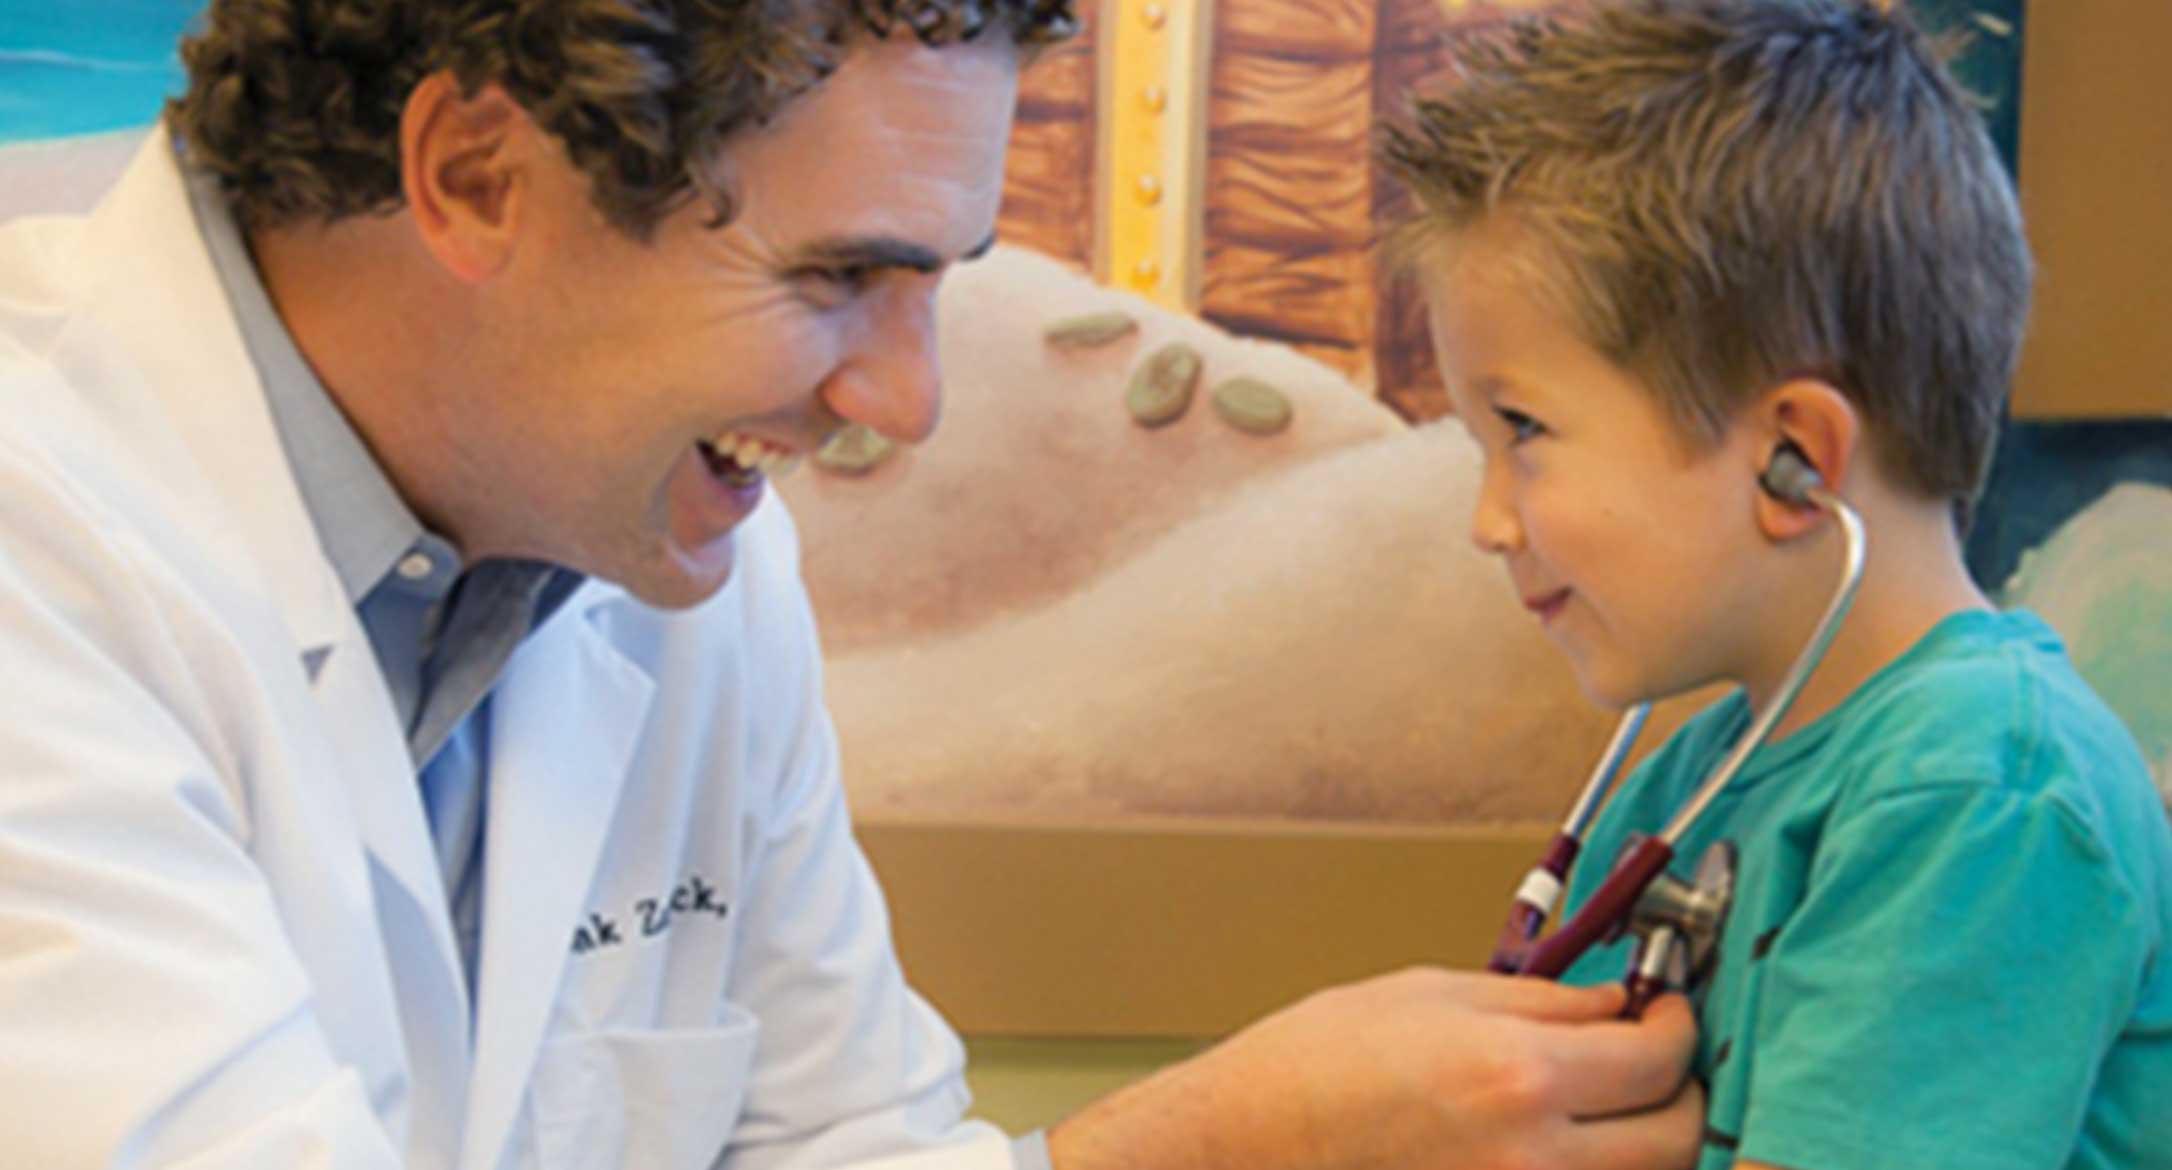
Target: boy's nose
[1494,527]
[892,381]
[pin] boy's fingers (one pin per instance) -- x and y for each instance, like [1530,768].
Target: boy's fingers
[1622,1066]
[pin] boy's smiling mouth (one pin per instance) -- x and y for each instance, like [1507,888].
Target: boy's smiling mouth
[1547,606]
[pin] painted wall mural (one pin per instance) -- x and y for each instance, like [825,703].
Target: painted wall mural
[1053,611]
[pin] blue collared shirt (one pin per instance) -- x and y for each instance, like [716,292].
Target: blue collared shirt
[441,634]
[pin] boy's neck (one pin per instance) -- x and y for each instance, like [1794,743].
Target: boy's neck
[1914,577]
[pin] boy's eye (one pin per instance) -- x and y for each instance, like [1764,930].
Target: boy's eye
[1521,426]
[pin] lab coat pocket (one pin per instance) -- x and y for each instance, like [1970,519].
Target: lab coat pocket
[642,1100]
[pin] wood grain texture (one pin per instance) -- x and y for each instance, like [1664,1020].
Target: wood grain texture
[1413,55]
[1296,200]
[1260,102]
[1048,188]
[1317,296]
[1408,378]
[1289,184]
[1309,29]
[1048,180]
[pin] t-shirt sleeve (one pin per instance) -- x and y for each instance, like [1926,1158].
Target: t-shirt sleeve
[1944,994]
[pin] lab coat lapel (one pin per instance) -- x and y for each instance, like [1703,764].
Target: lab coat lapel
[564,727]
[239,494]
[215,430]
[370,750]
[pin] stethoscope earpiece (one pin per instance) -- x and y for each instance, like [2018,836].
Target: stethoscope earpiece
[1789,477]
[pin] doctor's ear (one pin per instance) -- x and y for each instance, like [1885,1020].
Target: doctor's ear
[461,171]
[1808,433]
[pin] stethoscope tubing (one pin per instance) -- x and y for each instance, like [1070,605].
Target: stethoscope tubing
[1542,886]
[1602,776]
[1609,907]
[1798,672]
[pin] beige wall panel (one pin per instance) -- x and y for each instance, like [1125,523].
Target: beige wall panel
[2096,185]
[1186,928]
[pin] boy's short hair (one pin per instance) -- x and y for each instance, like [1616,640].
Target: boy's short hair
[295,104]
[1728,193]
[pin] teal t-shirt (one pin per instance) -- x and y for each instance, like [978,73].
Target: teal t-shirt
[1951,940]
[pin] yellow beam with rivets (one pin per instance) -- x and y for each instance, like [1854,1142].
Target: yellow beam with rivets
[1152,141]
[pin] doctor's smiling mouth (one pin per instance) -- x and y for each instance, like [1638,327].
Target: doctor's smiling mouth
[733,468]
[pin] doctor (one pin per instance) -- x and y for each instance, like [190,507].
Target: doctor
[412,752]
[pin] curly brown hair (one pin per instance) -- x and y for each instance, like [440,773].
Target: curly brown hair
[295,104]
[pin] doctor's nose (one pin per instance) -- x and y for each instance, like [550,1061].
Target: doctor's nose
[892,381]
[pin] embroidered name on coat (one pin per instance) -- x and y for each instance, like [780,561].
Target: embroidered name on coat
[649,917]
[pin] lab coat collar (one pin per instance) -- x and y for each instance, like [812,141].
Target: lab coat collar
[565,722]
[179,330]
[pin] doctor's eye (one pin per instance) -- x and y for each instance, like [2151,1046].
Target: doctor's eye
[1521,426]
[852,276]
[834,285]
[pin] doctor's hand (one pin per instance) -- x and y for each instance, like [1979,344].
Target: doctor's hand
[1420,1070]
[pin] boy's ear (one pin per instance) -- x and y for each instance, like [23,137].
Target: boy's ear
[461,173]
[1817,420]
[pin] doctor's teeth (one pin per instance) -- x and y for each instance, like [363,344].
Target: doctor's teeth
[754,454]
[760,458]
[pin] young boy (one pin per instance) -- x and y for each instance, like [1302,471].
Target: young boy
[1663,241]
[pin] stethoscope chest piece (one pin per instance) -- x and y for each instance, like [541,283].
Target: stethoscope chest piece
[1677,925]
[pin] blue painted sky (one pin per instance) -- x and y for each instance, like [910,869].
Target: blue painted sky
[78,66]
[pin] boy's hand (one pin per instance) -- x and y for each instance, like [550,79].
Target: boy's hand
[1421,1070]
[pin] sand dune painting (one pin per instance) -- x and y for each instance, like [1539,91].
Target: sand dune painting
[1050,610]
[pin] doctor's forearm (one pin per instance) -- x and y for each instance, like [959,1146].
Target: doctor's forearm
[1178,1117]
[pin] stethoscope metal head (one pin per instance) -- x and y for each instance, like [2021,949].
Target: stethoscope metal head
[1677,925]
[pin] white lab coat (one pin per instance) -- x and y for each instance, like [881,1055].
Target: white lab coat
[223,933]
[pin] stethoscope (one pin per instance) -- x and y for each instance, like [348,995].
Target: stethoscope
[1676,923]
